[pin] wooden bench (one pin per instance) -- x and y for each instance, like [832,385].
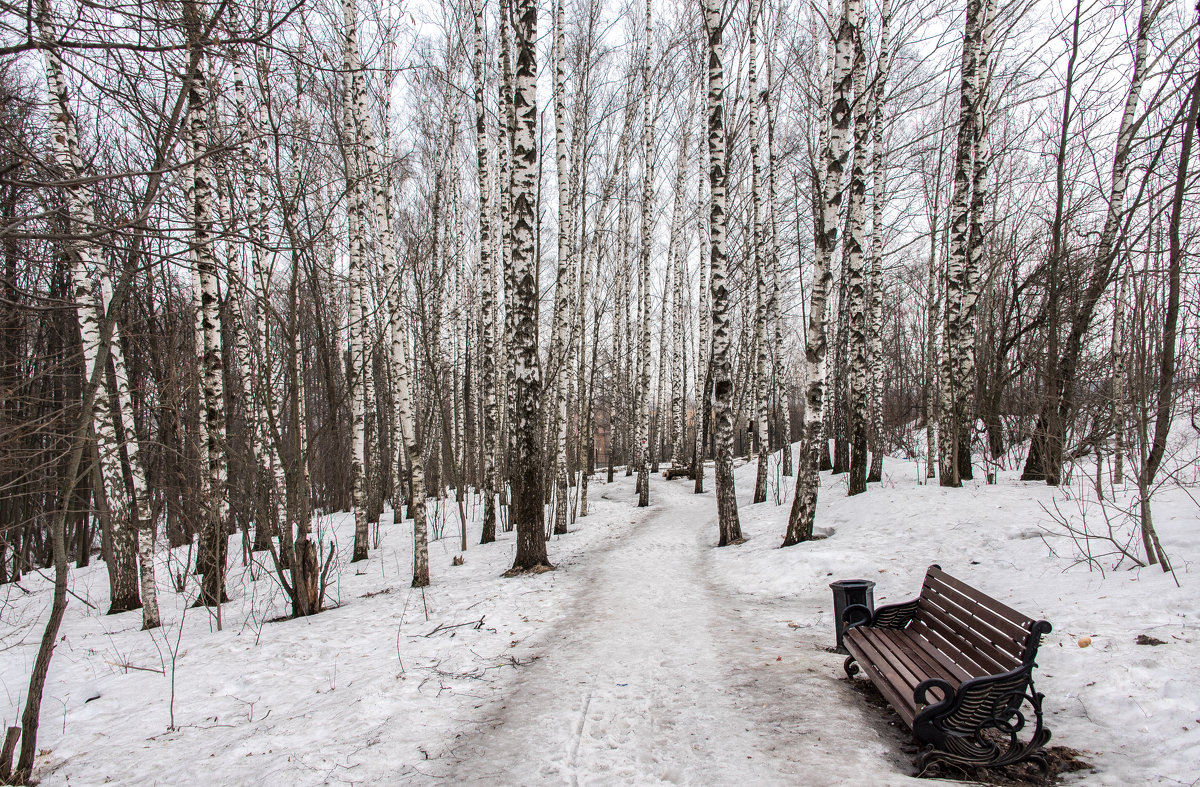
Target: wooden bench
[957,666]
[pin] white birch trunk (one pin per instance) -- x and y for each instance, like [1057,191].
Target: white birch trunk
[234,290]
[526,465]
[202,442]
[659,424]
[678,333]
[856,279]
[981,154]
[621,350]
[246,309]
[647,228]
[836,129]
[1108,236]
[774,319]
[560,363]
[114,429]
[487,290]
[932,311]
[141,522]
[275,500]
[504,209]
[1107,248]
[577,182]
[762,351]
[1118,375]
[214,540]
[955,415]
[878,200]
[730,530]
[703,354]
[617,401]
[357,251]
[630,448]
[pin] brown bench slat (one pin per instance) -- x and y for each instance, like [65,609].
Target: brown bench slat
[908,663]
[1003,645]
[959,633]
[951,643]
[1004,616]
[876,666]
[897,665]
[973,634]
[958,670]
[998,606]
[923,663]
[1007,629]
[888,683]
[974,654]
[902,668]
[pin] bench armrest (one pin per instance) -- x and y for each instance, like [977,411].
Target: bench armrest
[1039,629]
[894,616]
[920,693]
[856,615]
[990,720]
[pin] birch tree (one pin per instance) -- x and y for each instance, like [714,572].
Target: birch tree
[487,300]
[704,353]
[855,276]
[762,350]
[931,393]
[836,131]
[957,368]
[729,526]
[679,459]
[647,227]
[113,428]
[560,362]
[878,200]
[774,318]
[526,464]
[214,541]
[251,314]
[355,220]
[616,425]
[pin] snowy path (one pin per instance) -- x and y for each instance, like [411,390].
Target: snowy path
[653,676]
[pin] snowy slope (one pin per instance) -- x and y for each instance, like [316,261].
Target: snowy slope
[649,656]
[1134,708]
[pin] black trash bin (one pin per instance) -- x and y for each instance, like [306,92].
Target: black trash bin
[847,593]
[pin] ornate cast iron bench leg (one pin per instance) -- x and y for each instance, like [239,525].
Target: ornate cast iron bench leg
[851,667]
[982,724]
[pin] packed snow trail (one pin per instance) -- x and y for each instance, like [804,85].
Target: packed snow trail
[653,676]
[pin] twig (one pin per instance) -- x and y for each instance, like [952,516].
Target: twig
[134,666]
[38,571]
[477,624]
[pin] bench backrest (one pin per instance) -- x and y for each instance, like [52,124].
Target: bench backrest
[980,634]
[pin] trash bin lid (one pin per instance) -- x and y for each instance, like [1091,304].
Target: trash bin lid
[849,584]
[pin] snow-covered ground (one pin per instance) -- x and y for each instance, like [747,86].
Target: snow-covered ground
[649,656]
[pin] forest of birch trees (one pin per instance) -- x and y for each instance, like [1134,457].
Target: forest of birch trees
[268,259]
